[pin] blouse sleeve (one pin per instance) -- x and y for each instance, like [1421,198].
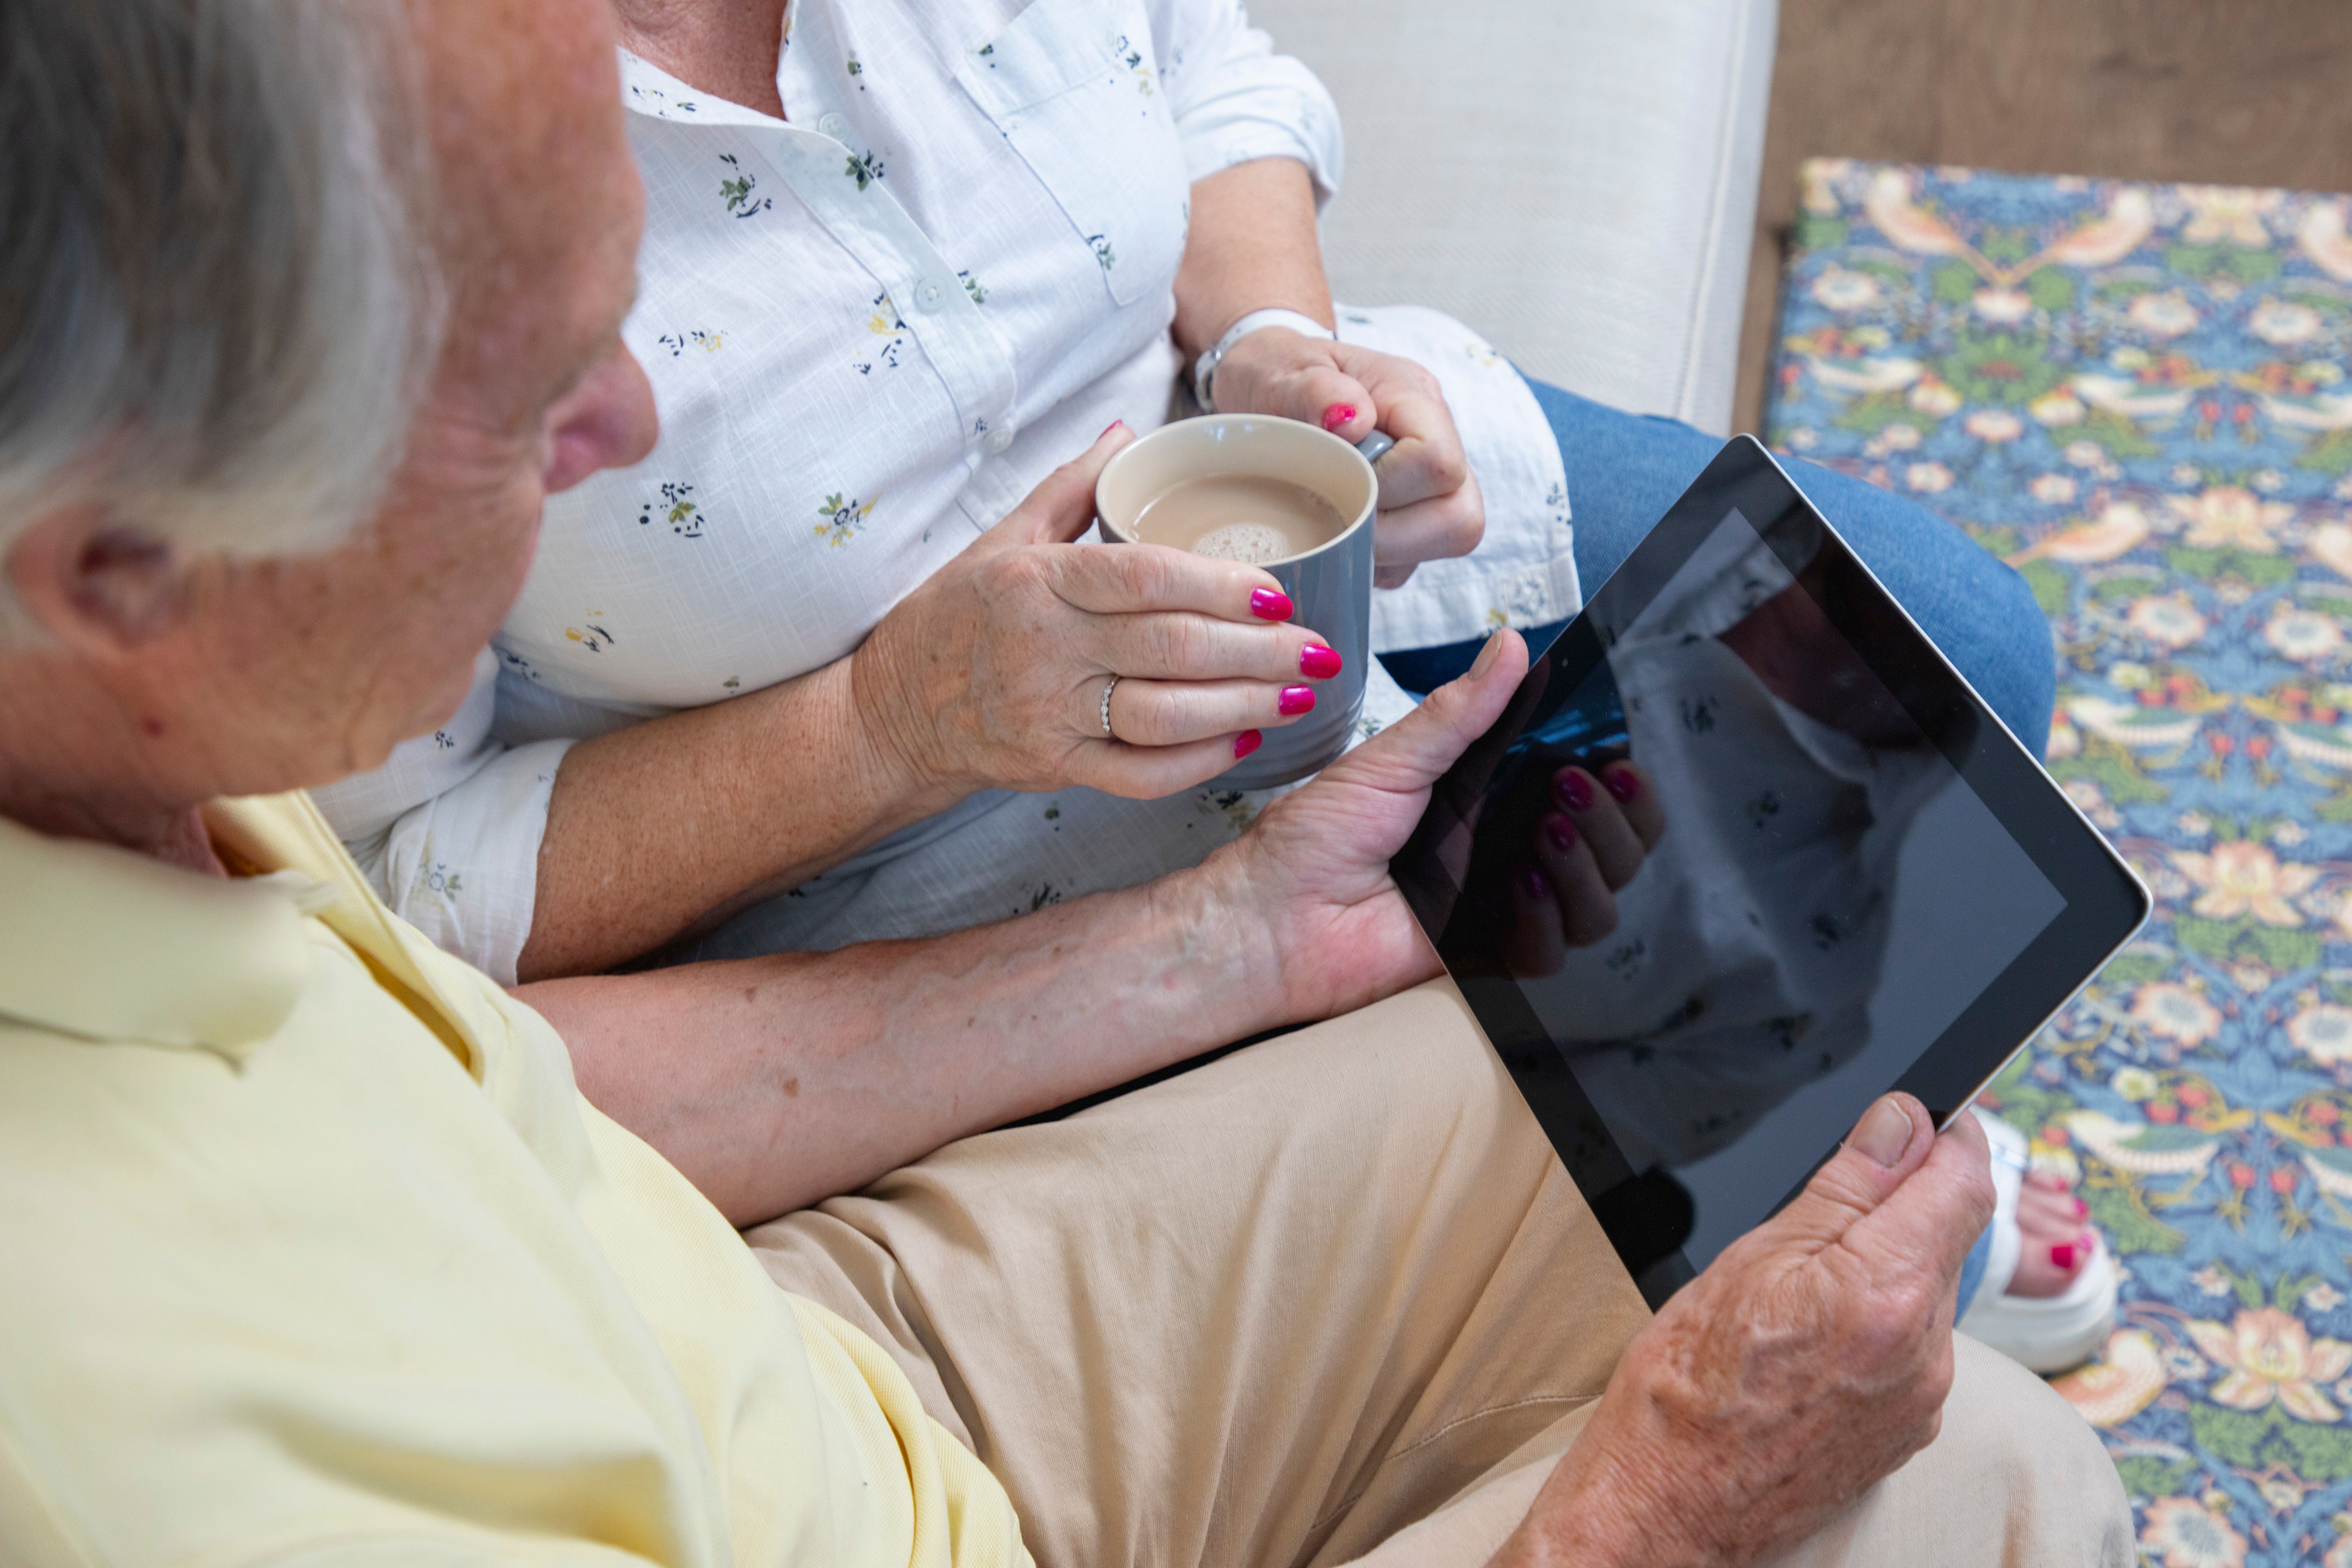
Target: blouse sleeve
[448,830]
[1234,100]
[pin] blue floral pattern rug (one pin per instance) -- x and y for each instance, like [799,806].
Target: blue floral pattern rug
[2139,396]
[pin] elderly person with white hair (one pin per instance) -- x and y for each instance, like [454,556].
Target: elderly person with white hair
[325,1249]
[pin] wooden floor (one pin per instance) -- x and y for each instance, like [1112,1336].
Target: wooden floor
[2244,92]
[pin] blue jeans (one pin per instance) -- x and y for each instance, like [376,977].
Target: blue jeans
[1626,470]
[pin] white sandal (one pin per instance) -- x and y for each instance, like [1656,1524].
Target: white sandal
[2045,1334]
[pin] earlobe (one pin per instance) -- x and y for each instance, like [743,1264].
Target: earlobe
[94,584]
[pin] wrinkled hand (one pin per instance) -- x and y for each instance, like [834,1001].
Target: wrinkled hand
[991,674]
[1430,507]
[1313,872]
[1585,850]
[1804,1366]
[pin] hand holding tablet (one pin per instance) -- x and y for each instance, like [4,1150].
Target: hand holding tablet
[1835,873]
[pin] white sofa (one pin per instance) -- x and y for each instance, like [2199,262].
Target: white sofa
[1576,179]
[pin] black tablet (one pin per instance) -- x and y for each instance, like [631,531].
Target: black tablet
[1864,882]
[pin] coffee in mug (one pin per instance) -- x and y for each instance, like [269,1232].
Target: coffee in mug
[1252,518]
[1293,500]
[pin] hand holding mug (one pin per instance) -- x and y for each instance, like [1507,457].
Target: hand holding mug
[1430,506]
[1002,669]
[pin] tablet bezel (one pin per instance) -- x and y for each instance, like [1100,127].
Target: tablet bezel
[2106,902]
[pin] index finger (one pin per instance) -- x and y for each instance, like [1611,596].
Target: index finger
[1128,579]
[1429,460]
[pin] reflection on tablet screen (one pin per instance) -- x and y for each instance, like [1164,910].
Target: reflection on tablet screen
[1828,897]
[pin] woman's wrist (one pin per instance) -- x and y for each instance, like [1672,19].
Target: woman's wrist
[1279,317]
[1251,247]
[882,767]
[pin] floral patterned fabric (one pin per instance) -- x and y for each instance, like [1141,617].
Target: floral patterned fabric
[2137,394]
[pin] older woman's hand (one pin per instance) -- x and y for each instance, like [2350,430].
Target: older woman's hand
[993,673]
[1430,504]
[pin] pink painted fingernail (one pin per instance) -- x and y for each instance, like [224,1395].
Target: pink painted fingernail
[1573,790]
[1533,883]
[1622,782]
[2063,1254]
[1245,742]
[1318,662]
[1338,414]
[1295,699]
[1561,832]
[2081,1208]
[1270,604]
[1114,424]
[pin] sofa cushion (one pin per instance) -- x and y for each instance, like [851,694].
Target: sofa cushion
[1575,179]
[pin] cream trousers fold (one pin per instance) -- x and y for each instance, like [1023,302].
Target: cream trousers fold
[1332,1299]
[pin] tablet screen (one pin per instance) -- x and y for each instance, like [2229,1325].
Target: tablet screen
[1831,896]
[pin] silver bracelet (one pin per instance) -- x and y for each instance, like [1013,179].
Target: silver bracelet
[1204,369]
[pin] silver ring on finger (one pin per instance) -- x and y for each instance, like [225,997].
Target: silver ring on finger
[1109,687]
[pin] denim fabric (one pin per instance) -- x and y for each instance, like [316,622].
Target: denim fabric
[1972,1272]
[1626,470]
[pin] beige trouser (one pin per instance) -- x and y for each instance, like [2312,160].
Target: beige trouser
[1330,1299]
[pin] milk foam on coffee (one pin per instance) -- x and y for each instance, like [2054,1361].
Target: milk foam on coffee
[1240,516]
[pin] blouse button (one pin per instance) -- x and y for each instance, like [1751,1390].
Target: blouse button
[833,125]
[928,294]
[997,441]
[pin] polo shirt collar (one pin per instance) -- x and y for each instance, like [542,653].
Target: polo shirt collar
[106,944]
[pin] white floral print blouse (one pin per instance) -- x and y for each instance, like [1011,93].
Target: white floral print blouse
[872,328]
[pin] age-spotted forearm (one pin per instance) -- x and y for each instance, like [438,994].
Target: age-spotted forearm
[679,821]
[773,1083]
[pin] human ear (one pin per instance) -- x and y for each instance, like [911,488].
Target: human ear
[97,585]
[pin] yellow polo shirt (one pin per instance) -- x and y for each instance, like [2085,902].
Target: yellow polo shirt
[311,1253]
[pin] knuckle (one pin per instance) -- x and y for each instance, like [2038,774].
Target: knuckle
[1156,717]
[1466,527]
[1175,644]
[1011,573]
[1910,1305]
[1449,466]
[1149,573]
[1928,1428]
[1878,1342]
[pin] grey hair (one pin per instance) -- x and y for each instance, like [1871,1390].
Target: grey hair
[216,309]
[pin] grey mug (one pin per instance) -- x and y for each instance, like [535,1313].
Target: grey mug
[1330,587]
